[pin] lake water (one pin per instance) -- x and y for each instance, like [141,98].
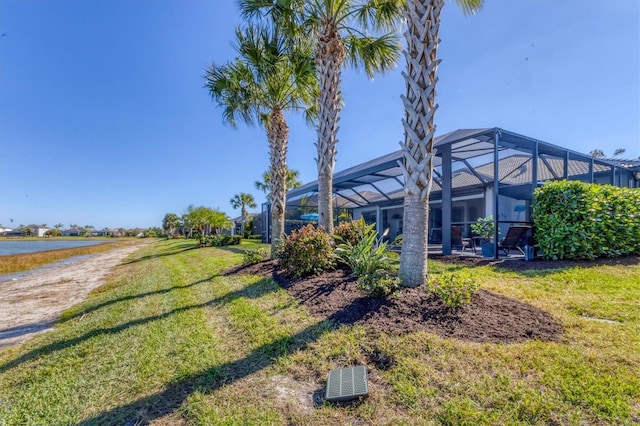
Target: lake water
[17,247]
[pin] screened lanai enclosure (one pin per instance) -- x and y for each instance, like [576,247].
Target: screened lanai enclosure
[478,172]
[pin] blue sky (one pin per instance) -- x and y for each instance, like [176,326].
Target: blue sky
[104,119]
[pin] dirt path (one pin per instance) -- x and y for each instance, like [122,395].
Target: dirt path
[33,303]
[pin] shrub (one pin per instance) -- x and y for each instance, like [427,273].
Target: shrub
[484,227]
[575,220]
[251,257]
[367,255]
[305,251]
[350,232]
[455,289]
[219,240]
[380,283]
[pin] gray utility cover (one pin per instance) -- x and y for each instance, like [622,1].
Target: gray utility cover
[346,384]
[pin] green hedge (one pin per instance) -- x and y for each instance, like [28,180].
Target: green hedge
[219,240]
[575,220]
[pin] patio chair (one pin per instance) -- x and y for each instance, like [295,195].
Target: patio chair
[514,239]
[458,241]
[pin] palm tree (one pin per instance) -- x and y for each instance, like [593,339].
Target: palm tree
[170,223]
[269,77]
[204,219]
[339,29]
[423,23]
[292,181]
[88,230]
[242,201]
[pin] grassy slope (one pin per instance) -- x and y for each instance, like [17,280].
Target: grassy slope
[170,340]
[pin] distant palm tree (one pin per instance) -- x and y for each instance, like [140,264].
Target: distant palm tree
[598,153]
[292,181]
[340,31]
[269,77]
[204,220]
[242,201]
[421,54]
[170,223]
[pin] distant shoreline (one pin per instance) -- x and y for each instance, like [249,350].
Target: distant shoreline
[28,261]
[48,266]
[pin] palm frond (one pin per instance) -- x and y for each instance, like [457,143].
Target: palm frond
[374,54]
[470,6]
[269,72]
[231,87]
[380,15]
[285,14]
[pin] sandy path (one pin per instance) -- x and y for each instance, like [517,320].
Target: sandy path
[31,304]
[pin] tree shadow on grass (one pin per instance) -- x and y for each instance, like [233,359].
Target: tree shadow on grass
[152,407]
[233,249]
[256,290]
[537,267]
[8,334]
[180,248]
[93,308]
[541,268]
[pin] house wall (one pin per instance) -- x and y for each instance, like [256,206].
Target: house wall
[39,231]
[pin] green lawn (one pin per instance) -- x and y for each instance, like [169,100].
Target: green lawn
[170,340]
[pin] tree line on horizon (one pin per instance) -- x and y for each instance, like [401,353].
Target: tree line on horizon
[85,231]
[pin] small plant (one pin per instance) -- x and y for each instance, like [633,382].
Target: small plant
[350,232]
[366,256]
[305,251]
[484,227]
[251,257]
[380,283]
[455,289]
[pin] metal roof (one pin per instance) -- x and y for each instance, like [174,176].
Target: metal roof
[380,180]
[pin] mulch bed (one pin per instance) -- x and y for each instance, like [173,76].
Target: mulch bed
[490,317]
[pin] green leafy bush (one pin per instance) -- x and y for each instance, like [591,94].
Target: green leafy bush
[455,289]
[305,251]
[219,240]
[380,283]
[366,256]
[251,257]
[484,227]
[575,220]
[350,232]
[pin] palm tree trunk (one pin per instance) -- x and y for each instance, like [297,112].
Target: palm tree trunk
[329,56]
[243,211]
[423,21]
[278,136]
